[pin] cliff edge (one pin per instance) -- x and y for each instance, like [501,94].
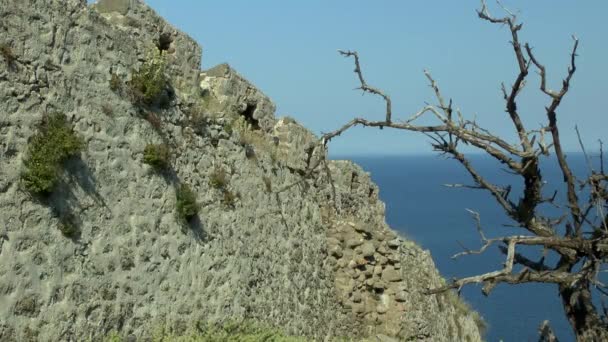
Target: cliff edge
[105,248]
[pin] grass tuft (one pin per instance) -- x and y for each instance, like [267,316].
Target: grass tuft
[218,178]
[464,309]
[229,332]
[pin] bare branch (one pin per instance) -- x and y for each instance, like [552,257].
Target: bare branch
[505,9]
[522,260]
[580,142]
[367,88]
[476,187]
[505,275]
[438,95]
[556,100]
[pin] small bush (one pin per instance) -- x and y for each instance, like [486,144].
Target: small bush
[149,81]
[7,54]
[54,143]
[158,156]
[187,207]
[218,178]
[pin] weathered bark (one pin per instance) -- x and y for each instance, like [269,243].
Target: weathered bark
[546,333]
[582,314]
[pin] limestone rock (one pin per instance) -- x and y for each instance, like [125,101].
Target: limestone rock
[336,251]
[352,243]
[382,309]
[395,243]
[390,274]
[401,296]
[367,249]
[119,6]
[134,266]
[233,94]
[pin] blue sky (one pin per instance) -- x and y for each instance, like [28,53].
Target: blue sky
[288,50]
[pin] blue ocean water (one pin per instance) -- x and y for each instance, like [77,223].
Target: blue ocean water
[421,208]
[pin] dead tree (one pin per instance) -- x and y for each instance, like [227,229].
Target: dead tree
[582,248]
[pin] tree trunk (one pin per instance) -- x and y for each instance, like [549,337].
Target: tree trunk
[581,313]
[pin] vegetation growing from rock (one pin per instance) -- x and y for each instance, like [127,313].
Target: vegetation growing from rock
[158,156]
[255,139]
[187,207]
[464,309]
[149,81]
[218,178]
[54,143]
[230,332]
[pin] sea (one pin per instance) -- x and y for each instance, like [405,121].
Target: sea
[422,208]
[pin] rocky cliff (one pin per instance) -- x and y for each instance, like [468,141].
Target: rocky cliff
[106,249]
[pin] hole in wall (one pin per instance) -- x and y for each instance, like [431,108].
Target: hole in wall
[248,115]
[164,41]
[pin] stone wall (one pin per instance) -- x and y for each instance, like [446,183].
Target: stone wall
[288,259]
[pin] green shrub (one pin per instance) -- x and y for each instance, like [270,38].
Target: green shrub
[187,207]
[218,178]
[54,143]
[149,81]
[158,156]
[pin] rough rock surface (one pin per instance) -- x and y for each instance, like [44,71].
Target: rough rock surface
[288,259]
